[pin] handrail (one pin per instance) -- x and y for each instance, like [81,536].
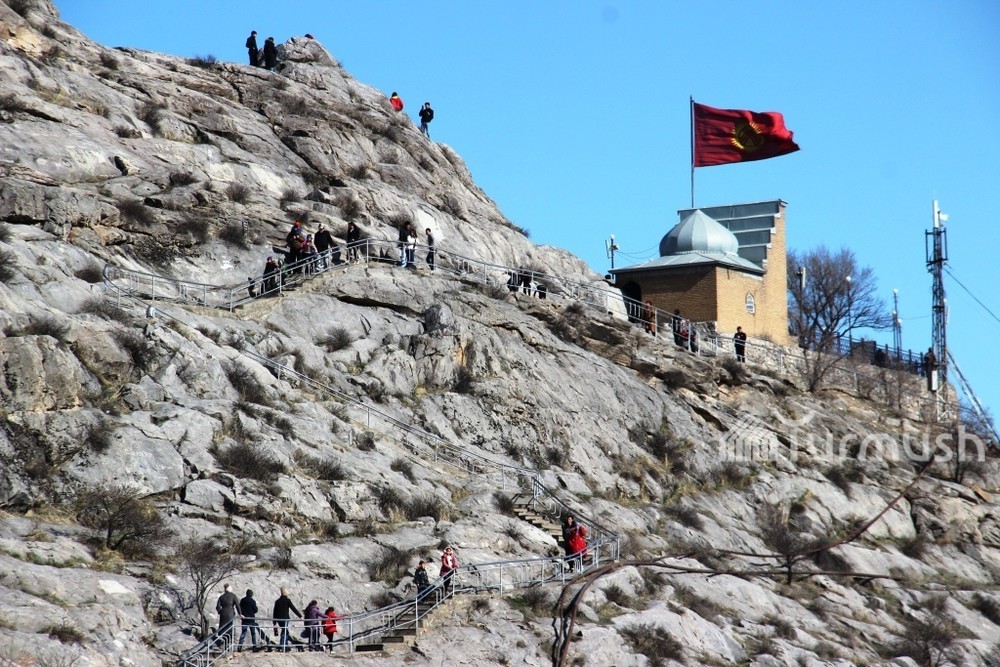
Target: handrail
[442,449]
[500,576]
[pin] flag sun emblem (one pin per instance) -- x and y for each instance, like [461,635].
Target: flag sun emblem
[747,136]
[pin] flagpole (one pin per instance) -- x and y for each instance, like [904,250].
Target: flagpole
[691,112]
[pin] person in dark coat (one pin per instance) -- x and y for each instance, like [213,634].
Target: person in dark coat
[740,344]
[431,253]
[227,608]
[426,116]
[270,53]
[248,614]
[353,240]
[323,241]
[421,579]
[270,275]
[252,51]
[281,613]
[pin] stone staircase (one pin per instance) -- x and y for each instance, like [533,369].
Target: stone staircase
[405,630]
[524,511]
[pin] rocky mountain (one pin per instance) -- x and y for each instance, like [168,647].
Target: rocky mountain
[291,432]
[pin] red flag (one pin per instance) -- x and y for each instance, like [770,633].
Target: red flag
[722,136]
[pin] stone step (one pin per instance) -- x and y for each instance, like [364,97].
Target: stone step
[394,638]
[369,648]
[405,632]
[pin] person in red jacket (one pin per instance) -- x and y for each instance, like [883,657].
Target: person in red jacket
[330,624]
[396,101]
[574,538]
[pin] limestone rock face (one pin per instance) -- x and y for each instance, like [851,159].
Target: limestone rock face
[330,431]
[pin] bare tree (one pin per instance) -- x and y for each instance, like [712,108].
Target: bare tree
[835,298]
[206,563]
[126,521]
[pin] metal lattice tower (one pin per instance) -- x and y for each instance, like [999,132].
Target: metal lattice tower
[936,248]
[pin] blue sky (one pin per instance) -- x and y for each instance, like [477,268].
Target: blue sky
[573,116]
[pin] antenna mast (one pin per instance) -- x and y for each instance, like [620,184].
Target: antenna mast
[936,248]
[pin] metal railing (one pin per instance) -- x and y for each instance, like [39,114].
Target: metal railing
[499,576]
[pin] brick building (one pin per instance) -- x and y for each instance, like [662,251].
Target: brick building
[721,264]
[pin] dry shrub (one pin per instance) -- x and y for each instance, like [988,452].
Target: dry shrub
[249,460]
[136,211]
[654,642]
[238,193]
[105,308]
[391,565]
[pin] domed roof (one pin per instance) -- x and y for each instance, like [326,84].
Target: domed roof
[699,233]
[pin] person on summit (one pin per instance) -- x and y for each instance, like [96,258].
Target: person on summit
[740,344]
[270,54]
[252,50]
[649,317]
[426,116]
[396,101]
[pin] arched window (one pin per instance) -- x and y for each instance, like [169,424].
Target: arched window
[751,304]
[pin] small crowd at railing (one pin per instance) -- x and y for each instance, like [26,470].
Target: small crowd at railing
[316,624]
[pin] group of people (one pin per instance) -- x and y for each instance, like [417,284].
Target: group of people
[269,58]
[317,623]
[449,566]
[685,334]
[408,246]
[426,113]
[526,283]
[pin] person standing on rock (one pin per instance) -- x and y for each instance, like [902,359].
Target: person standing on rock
[270,54]
[227,607]
[283,606]
[248,616]
[396,101]
[740,344]
[252,50]
[426,116]
[449,564]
